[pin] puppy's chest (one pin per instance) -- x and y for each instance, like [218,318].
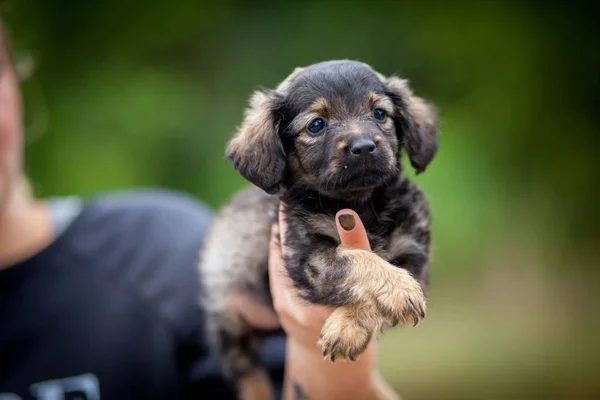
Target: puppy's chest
[319,227]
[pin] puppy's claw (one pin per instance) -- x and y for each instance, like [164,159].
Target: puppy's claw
[404,301]
[342,338]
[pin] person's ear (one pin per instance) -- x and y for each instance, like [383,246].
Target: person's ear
[416,123]
[256,149]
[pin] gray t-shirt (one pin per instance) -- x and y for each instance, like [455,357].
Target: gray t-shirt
[109,310]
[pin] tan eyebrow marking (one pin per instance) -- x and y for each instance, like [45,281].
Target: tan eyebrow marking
[377,101]
[319,108]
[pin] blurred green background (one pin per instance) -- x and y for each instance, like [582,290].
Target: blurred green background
[129,94]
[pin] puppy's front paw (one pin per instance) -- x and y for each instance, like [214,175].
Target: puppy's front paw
[345,334]
[400,299]
[397,296]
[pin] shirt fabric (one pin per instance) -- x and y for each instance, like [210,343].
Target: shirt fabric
[110,309]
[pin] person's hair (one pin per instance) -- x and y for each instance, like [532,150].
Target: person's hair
[6,53]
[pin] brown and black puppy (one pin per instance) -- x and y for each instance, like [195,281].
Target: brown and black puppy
[329,137]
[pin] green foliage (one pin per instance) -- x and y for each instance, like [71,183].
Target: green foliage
[141,94]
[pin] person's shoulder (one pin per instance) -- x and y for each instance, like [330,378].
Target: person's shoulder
[153,202]
[163,225]
[155,220]
[149,239]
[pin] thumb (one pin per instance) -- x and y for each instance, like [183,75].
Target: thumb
[351,230]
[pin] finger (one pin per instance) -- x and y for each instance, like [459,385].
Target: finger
[282,227]
[351,230]
[277,271]
[282,288]
[277,278]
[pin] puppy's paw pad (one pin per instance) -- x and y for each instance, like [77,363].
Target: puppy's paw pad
[342,339]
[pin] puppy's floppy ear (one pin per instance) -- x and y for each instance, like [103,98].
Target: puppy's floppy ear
[255,149]
[416,123]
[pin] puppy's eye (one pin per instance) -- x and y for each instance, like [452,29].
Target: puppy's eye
[379,114]
[316,125]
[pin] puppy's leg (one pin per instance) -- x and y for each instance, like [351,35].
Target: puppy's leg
[371,295]
[233,260]
[398,296]
[236,348]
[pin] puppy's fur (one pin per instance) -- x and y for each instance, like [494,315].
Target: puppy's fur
[352,162]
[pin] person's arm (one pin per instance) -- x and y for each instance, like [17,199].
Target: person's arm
[308,375]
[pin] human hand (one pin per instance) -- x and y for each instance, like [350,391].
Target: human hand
[300,320]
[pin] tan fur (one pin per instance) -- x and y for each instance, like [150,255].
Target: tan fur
[256,125]
[387,126]
[334,164]
[255,208]
[300,123]
[375,100]
[320,106]
[383,295]
[419,110]
[397,294]
[348,331]
[255,149]
[295,168]
[421,136]
[372,98]
[423,114]
[338,155]
[309,140]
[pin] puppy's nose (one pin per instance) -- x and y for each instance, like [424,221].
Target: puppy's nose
[362,146]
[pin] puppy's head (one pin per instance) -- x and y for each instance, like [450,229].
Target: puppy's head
[338,127]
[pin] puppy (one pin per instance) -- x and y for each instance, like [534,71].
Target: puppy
[330,136]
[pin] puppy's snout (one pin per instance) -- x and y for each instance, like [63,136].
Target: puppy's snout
[362,147]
